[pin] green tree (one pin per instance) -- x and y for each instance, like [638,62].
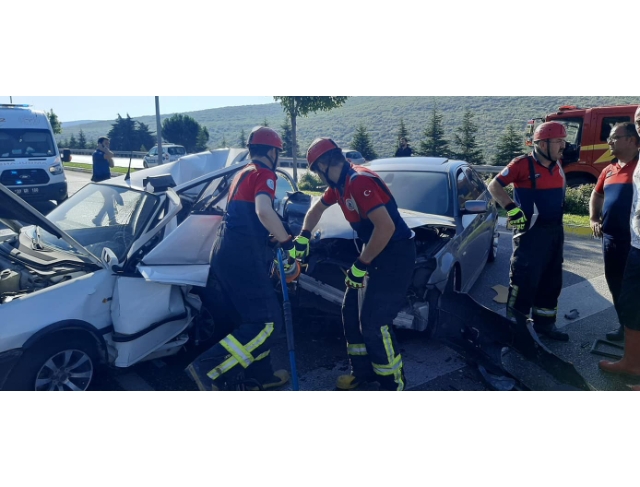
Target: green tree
[82,140]
[182,130]
[465,140]
[296,106]
[123,134]
[265,123]
[434,144]
[203,140]
[403,133]
[223,143]
[362,143]
[287,140]
[509,147]
[64,144]
[242,140]
[55,123]
[145,138]
[73,143]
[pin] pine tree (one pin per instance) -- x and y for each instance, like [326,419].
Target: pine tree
[434,143]
[362,143]
[223,144]
[55,122]
[403,133]
[265,123]
[287,138]
[183,130]
[145,140]
[123,135]
[509,147]
[467,148]
[82,140]
[242,140]
[73,143]
[203,139]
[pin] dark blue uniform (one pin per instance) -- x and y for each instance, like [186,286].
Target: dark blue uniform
[101,169]
[371,343]
[241,266]
[536,264]
[616,185]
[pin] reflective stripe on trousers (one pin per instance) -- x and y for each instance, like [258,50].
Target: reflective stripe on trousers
[241,354]
[358,350]
[394,367]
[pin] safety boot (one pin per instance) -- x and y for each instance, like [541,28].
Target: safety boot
[550,330]
[630,363]
[353,382]
[617,335]
[278,379]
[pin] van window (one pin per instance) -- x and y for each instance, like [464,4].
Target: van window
[608,123]
[20,143]
[177,151]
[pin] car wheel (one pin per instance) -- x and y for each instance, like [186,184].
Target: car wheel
[64,363]
[493,248]
[65,198]
[144,163]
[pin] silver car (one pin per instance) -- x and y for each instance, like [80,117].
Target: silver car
[446,204]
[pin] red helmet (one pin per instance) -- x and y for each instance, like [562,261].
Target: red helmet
[318,148]
[550,130]
[265,136]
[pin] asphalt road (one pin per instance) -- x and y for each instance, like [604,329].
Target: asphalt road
[320,346]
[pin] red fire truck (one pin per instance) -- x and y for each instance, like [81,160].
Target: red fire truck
[587,152]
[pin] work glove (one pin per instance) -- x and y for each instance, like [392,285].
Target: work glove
[517,218]
[289,254]
[301,243]
[356,275]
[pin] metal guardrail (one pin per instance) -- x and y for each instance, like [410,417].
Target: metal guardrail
[284,161]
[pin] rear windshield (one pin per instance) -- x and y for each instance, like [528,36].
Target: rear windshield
[21,143]
[177,151]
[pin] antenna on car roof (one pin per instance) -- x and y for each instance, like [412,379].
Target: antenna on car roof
[128,176]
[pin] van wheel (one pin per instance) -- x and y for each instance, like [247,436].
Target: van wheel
[64,198]
[62,363]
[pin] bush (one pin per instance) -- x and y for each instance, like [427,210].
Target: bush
[577,201]
[310,182]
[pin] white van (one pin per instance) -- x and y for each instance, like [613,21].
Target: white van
[30,163]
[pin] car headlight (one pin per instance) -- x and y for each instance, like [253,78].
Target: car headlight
[56,169]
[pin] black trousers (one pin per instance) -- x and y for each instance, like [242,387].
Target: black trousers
[241,266]
[536,274]
[629,300]
[371,343]
[615,252]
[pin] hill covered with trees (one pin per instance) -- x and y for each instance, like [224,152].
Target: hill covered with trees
[380,117]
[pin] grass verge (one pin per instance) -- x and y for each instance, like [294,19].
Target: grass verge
[89,167]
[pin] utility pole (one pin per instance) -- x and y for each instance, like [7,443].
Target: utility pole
[11,100]
[159,132]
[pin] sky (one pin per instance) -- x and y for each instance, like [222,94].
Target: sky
[73,108]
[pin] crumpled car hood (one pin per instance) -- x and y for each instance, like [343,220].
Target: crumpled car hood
[333,224]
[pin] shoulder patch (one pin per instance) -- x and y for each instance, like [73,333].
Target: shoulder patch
[271,184]
[505,172]
[609,174]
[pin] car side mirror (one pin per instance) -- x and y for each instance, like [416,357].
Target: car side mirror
[475,207]
[110,260]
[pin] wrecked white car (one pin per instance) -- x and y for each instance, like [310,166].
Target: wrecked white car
[107,276]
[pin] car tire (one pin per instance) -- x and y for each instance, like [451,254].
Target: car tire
[63,362]
[65,198]
[144,163]
[493,246]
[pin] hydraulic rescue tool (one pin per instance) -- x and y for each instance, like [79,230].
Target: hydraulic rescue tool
[288,320]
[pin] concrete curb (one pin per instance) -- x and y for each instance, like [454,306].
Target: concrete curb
[577,230]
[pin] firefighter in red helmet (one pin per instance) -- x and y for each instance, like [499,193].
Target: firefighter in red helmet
[240,264]
[381,273]
[536,215]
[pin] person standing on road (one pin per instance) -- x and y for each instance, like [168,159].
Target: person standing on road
[628,302]
[610,210]
[404,150]
[537,219]
[102,161]
[387,259]
[241,266]
[102,164]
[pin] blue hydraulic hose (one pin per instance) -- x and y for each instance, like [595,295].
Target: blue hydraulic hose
[288,322]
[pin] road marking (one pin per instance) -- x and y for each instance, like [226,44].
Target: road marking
[133,382]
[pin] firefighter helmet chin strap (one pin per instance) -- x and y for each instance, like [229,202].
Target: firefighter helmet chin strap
[341,178]
[547,156]
[274,164]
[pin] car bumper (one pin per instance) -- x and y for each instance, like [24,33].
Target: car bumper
[54,191]
[8,360]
